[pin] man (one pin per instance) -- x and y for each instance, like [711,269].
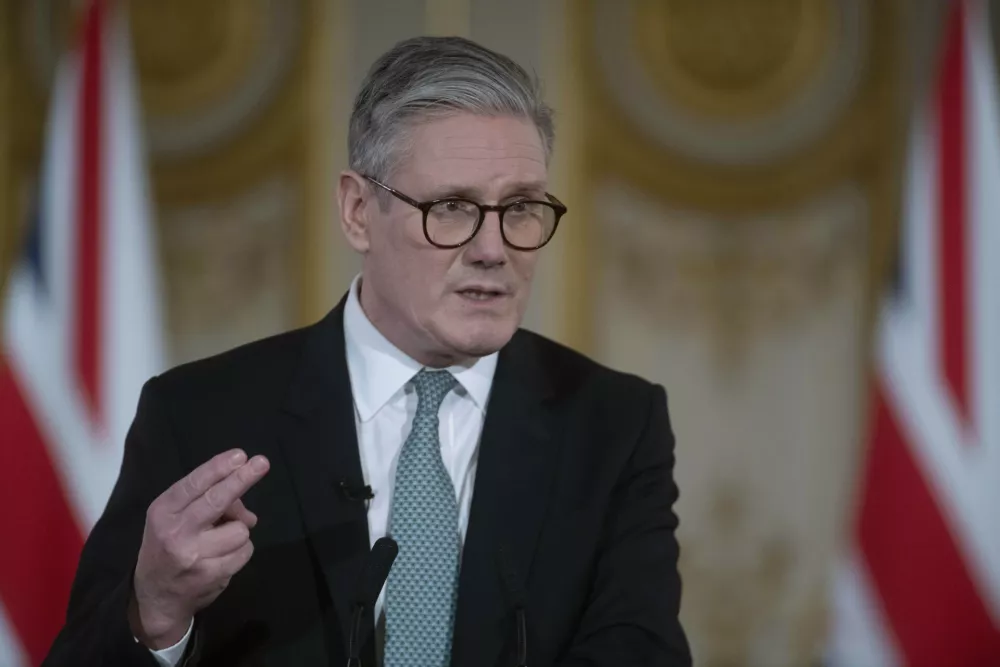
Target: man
[524,484]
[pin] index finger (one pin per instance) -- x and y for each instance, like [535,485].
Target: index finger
[211,505]
[194,485]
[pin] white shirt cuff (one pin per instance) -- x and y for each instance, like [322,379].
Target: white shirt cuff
[170,656]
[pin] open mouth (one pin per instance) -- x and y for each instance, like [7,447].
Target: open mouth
[480,295]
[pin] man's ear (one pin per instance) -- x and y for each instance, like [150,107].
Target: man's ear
[352,197]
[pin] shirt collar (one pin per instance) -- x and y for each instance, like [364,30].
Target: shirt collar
[378,369]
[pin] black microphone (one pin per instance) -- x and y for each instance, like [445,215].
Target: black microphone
[516,596]
[373,576]
[355,493]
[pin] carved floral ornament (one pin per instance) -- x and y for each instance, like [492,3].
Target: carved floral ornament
[740,271]
[207,68]
[735,142]
[731,82]
[214,77]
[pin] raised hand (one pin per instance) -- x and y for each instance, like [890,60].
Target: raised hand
[197,536]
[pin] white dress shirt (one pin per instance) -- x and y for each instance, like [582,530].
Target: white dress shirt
[385,403]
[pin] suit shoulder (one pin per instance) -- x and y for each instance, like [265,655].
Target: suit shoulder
[271,358]
[571,368]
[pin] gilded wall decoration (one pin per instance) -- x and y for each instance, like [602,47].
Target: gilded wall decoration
[743,110]
[231,268]
[224,89]
[236,59]
[744,275]
[729,82]
[740,185]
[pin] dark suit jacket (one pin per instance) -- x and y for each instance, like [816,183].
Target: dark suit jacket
[574,481]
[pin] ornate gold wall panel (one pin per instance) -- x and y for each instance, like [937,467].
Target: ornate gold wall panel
[740,194]
[739,109]
[223,91]
[570,172]
[229,105]
[742,104]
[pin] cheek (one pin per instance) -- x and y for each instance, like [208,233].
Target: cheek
[524,267]
[427,276]
[404,254]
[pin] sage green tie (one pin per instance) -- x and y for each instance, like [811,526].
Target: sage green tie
[422,589]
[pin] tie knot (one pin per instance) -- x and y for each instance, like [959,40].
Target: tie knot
[432,387]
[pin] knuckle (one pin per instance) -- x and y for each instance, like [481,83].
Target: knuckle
[245,475]
[240,561]
[227,569]
[219,469]
[161,534]
[214,499]
[242,557]
[237,482]
[181,554]
[209,573]
[189,486]
[187,559]
[160,528]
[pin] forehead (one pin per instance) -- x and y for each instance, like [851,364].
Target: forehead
[475,152]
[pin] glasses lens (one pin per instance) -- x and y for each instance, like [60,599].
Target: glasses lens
[452,222]
[529,224]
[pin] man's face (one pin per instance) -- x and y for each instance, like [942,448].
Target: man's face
[444,306]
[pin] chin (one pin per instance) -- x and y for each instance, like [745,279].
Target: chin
[484,341]
[481,349]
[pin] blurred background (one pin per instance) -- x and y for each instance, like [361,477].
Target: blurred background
[785,211]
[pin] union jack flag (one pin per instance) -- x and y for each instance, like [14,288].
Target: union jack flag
[922,585]
[81,333]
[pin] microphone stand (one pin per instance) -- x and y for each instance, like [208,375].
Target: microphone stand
[373,577]
[354,650]
[516,593]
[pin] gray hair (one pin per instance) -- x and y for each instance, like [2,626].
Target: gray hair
[429,77]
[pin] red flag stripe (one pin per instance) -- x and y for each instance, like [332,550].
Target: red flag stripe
[42,541]
[931,603]
[952,275]
[89,211]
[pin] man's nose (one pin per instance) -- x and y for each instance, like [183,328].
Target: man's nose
[487,247]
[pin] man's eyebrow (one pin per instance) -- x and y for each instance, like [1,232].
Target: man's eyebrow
[474,193]
[444,191]
[526,187]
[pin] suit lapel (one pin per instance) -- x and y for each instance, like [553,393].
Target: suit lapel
[320,448]
[514,475]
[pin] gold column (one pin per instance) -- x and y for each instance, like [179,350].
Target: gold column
[570,170]
[448,17]
[327,86]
